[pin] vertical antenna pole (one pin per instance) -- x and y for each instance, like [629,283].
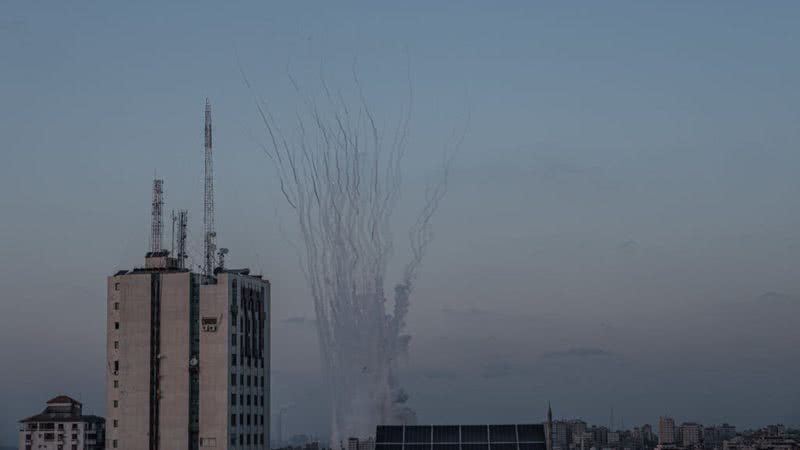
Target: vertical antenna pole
[156,224]
[208,206]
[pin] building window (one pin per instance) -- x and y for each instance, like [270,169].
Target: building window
[116,286]
[114,443]
[233,379]
[241,379]
[233,399]
[74,446]
[233,339]
[233,359]
[74,426]
[116,305]
[116,325]
[116,403]
[116,366]
[116,383]
[233,439]
[116,344]
[233,420]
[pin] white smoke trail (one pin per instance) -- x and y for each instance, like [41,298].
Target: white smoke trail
[341,174]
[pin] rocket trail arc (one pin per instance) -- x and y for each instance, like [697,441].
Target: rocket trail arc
[341,175]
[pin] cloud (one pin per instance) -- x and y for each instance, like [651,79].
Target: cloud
[579,352]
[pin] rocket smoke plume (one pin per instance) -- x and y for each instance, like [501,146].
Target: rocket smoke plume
[340,172]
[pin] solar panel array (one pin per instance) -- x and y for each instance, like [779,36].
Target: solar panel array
[460,437]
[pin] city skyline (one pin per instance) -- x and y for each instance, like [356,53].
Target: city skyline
[620,229]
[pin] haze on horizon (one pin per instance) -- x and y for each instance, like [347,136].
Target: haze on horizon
[621,229]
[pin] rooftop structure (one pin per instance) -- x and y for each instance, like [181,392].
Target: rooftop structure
[461,437]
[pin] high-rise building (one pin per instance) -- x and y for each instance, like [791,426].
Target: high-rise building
[62,425]
[188,353]
[666,430]
[188,358]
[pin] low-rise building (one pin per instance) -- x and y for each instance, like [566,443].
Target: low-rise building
[62,426]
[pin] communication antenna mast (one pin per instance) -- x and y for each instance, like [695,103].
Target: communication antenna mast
[183,222]
[210,235]
[156,224]
[172,240]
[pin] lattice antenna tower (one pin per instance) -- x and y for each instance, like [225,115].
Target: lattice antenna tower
[183,222]
[156,212]
[210,236]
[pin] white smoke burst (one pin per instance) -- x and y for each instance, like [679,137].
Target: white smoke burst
[341,174]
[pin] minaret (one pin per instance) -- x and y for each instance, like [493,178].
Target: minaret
[548,428]
[209,235]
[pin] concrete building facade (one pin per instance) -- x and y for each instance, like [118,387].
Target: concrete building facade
[62,426]
[188,358]
[666,430]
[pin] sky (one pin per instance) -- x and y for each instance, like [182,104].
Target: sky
[621,229]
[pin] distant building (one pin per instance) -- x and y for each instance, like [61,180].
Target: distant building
[415,437]
[62,426]
[561,434]
[711,438]
[727,431]
[761,443]
[691,434]
[366,444]
[352,443]
[666,430]
[647,433]
[599,435]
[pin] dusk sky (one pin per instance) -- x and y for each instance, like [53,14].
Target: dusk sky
[621,228]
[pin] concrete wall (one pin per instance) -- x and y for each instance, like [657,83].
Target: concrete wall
[133,409]
[215,366]
[174,361]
